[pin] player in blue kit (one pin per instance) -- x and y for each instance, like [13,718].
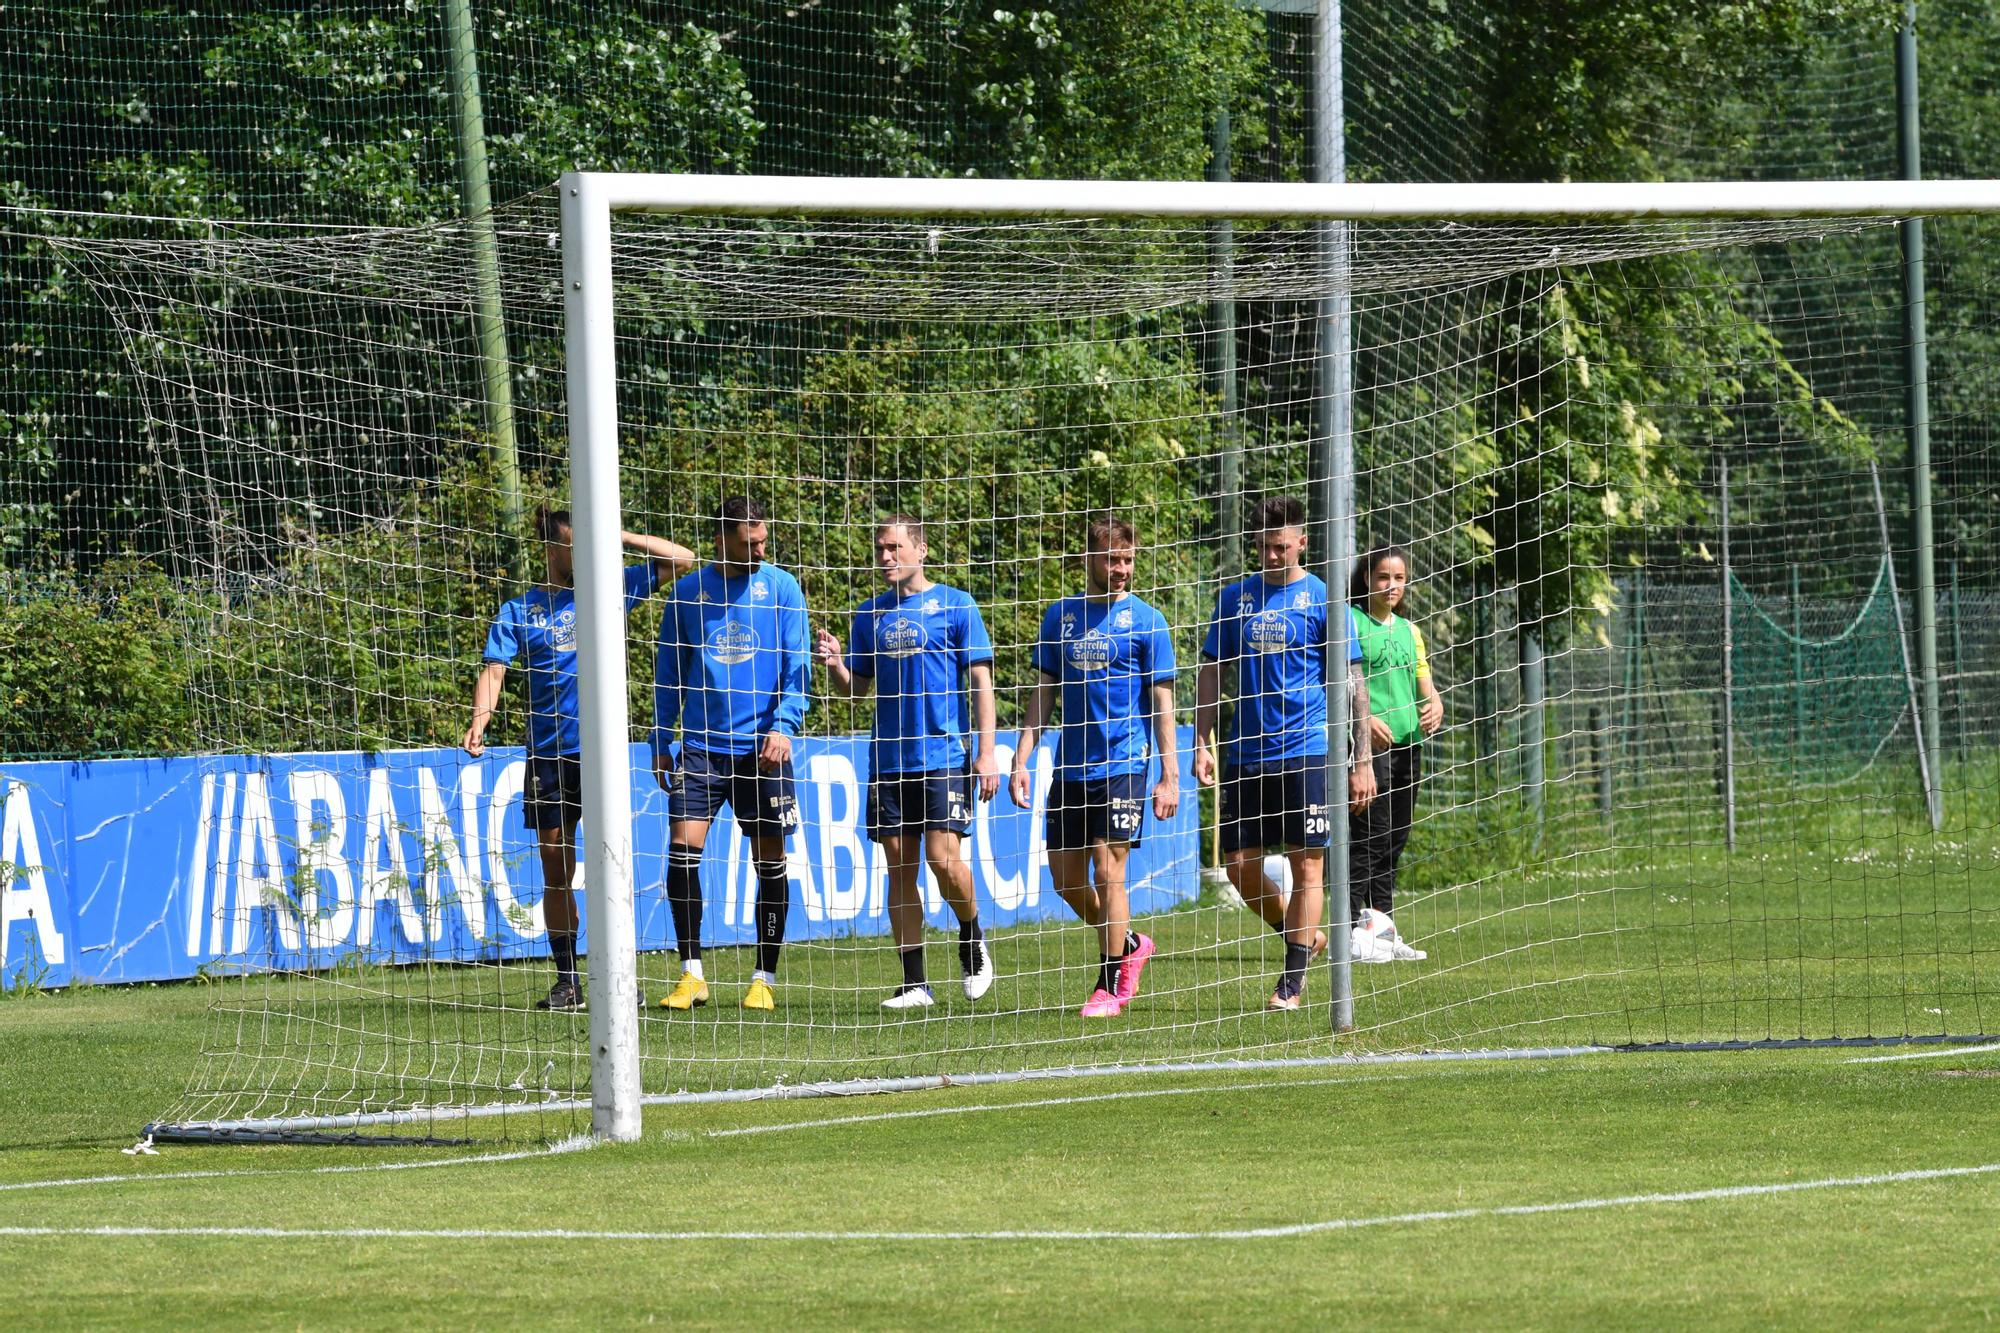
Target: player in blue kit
[1107,660]
[1271,631]
[540,626]
[922,648]
[731,673]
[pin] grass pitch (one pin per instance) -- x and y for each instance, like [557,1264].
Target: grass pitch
[1110,1202]
[1804,1188]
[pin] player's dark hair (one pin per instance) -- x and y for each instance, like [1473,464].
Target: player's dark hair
[549,522]
[909,523]
[738,509]
[1364,573]
[1105,531]
[1277,511]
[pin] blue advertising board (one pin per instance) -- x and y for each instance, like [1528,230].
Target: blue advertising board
[126,870]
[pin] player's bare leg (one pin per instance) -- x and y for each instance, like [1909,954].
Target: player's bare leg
[1308,901]
[1302,929]
[943,849]
[904,853]
[557,847]
[1108,858]
[1245,867]
[1070,872]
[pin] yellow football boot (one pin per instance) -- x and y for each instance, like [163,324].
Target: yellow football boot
[759,995]
[690,992]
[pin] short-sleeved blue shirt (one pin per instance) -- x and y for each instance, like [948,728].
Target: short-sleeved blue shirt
[918,648]
[1106,657]
[540,625]
[1275,635]
[732,663]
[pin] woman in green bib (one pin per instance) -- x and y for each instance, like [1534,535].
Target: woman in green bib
[1404,708]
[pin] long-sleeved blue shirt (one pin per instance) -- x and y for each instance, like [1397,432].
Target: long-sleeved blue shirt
[732,663]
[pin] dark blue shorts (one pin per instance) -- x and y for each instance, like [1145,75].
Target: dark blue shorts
[552,792]
[1085,813]
[766,804]
[1275,805]
[900,804]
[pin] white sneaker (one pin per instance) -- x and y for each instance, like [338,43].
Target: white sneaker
[978,983]
[1402,952]
[916,997]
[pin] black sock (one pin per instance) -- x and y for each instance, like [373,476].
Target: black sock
[684,899]
[1107,973]
[969,946]
[774,903]
[562,945]
[1297,956]
[1131,945]
[913,967]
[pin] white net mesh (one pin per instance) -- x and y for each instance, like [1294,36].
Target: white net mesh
[1541,417]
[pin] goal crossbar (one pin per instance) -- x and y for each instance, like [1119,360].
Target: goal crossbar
[766,196]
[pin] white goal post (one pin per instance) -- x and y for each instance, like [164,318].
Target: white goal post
[588,201]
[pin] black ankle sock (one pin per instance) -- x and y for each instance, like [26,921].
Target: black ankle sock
[1131,944]
[969,944]
[1297,956]
[1107,973]
[562,946]
[913,966]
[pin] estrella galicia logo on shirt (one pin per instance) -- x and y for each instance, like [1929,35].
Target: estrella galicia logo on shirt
[732,642]
[1092,652]
[562,634]
[900,636]
[1268,632]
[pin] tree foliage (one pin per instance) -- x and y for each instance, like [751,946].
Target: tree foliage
[1587,431]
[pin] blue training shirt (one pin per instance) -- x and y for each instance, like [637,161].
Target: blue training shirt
[1275,635]
[1106,657]
[732,663]
[918,649]
[540,625]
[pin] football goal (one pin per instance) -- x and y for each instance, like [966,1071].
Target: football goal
[1131,471]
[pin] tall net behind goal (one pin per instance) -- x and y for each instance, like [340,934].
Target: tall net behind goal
[1542,420]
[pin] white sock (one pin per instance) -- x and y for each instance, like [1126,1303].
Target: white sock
[692,968]
[768,978]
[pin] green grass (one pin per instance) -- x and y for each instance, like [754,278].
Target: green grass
[1180,1153]
[1868,931]
[1860,926]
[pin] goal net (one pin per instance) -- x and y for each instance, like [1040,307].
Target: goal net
[1542,417]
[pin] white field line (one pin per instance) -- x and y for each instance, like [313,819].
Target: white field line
[573,1144]
[140,1177]
[1921,1055]
[1725,1192]
[1132,1095]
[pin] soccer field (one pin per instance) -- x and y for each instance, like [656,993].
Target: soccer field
[1744,1188]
